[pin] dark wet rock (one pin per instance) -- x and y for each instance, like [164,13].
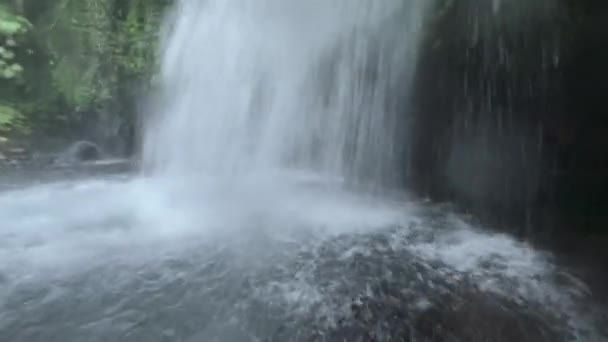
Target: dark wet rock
[30,155]
[15,174]
[12,154]
[17,152]
[79,152]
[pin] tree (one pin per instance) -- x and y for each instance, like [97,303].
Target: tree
[75,63]
[12,30]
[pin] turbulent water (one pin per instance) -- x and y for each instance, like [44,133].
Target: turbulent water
[245,226]
[137,260]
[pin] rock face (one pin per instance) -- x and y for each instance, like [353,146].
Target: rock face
[509,114]
[12,153]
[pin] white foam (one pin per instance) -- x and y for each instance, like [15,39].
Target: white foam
[55,231]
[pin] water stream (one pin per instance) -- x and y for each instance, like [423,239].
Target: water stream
[255,86]
[247,224]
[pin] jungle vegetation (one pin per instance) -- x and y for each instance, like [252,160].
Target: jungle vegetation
[66,65]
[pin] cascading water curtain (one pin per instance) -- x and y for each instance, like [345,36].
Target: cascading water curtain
[259,85]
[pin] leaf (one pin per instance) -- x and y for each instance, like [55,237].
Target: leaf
[10,118]
[11,24]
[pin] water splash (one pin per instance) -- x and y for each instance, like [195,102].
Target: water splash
[121,257]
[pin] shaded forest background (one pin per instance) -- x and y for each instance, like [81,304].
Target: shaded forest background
[71,69]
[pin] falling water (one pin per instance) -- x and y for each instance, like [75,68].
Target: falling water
[253,86]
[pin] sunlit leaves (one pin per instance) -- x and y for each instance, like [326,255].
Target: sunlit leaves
[11,24]
[11,27]
[77,59]
[10,119]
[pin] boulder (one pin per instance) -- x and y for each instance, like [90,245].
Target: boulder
[79,152]
[17,153]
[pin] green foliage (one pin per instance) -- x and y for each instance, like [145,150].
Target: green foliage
[74,84]
[64,63]
[11,120]
[11,24]
[12,28]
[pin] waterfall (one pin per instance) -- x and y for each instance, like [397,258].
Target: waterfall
[252,86]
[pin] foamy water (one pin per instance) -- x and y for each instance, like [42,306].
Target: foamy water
[292,243]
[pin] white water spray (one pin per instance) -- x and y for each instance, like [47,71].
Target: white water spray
[252,86]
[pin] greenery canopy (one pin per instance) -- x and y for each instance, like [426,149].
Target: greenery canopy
[67,63]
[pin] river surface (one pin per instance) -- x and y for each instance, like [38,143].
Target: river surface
[286,257]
